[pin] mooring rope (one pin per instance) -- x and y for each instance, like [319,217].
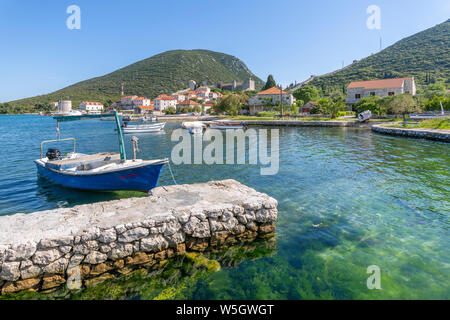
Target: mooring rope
[171,173]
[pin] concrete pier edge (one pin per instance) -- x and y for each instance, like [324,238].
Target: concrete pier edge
[430,134]
[87,244]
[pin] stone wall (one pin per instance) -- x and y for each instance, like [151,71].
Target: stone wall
[86,244]
[431,134]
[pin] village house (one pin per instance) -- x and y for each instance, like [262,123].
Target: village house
[144,109]
[202,92]
[163,102]
[380,88]
[188,103]
[54,104]
[215,95]
[126,102]
[269,97]
[141,101]
[90,107]
[308,106]
[179,96]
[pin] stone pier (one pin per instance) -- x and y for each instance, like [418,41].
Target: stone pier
[87,244]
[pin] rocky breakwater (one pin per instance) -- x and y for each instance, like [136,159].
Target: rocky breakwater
[90,243]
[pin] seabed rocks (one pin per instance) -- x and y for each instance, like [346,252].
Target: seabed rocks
[88,244]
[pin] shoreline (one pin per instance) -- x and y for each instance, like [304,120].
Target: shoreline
[418,133]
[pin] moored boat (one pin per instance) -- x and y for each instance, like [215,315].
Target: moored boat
[144,128]
[193,127]
[226,124]
[99,172]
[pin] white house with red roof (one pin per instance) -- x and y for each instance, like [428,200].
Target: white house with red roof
[141,101]
[269,97]
[90,107]
[357,90]
[163,102]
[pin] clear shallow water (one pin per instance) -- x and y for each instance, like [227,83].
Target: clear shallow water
[348,199]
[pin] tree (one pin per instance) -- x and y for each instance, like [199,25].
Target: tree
[307,93]
[170,110]
[270,83]
[231,104]
[400,105]
[370,103]
[330,106]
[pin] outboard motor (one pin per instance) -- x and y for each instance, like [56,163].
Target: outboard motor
[53,154]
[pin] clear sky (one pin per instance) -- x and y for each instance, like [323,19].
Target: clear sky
[290,39]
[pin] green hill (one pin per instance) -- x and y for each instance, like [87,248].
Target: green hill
[163,73]
[424,55]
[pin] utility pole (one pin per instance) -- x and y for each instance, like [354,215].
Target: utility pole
[281,100]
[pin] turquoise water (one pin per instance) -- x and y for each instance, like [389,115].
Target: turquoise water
[348,199]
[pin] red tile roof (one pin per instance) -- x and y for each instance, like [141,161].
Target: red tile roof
[378,84]
[165,97]
[189,103]
[273,90]
[146,107]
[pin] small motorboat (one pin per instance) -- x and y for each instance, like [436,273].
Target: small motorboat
[103,171]
[148,119]
[364,116]
[193,127]
[226,124]
[143,128]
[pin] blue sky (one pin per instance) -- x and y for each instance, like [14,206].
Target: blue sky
[290,39]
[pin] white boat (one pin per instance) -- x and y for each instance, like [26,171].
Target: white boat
[193,127]
[364,116]
[148,119]
[144,128]
[226,124]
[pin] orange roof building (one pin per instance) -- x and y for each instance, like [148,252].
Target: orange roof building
[357,90]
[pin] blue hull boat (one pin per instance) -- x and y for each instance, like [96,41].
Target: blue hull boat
[102,171]
[139,176]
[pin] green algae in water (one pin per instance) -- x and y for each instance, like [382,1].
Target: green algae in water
[175,280]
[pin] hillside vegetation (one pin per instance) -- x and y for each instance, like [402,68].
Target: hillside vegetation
[163,73]
[425,55]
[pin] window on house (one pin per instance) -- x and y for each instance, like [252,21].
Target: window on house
[357,96]
[372,94]
[391,93]
[407,92]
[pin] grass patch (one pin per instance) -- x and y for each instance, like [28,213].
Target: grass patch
[438,123]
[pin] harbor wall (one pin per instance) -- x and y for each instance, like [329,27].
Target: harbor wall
[87,244]
[298,123]
[431,134]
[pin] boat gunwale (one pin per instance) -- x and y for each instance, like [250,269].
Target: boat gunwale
[87,173]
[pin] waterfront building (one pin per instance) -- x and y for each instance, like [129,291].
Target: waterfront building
[163,102]
[126,102]
[357,90]
[64,106]
[141,101]
[144,109]
[269,98]
[90,107]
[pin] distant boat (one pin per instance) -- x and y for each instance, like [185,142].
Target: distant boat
[144,128]
[226,124]
[101,171]
[148,119]
[193,127]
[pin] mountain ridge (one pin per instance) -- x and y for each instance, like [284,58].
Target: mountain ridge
[424,55]
[164,72]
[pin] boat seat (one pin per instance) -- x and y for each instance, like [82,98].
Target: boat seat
[86,162]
